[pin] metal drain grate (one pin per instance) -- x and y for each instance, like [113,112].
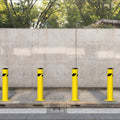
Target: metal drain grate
[56,110]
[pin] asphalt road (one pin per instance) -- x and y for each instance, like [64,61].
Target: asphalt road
[60,114]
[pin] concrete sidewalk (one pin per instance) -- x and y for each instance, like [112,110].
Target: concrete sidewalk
[57,98]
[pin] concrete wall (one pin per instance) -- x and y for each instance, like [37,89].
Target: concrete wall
[25,50]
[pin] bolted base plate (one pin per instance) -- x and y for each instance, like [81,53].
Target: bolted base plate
[74,100]
[109,100]
[4,100]
[40,100]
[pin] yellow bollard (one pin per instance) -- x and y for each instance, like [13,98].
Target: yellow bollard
[40,85]
[75,84]
[5,84]
[110,85]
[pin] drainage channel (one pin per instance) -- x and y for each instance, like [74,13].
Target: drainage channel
[56,110]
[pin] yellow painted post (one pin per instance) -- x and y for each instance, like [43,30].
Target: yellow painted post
[110,85]
[40,85]
[75,84]
[5,84]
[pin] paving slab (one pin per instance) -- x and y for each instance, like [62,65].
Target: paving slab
[60,98]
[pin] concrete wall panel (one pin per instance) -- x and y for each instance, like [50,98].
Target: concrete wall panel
[57,51]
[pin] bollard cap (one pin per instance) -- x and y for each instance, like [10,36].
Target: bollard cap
[110,68]
[74,68]
[5,68]
[40,68]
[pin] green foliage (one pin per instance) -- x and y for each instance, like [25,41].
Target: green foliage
[3,15]
[94,10]
[24,18]
[72,14]
[57,13]
[52,22]
[51,16]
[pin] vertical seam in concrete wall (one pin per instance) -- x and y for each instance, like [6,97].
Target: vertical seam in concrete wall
[7,50]
[33,33]
[76,47]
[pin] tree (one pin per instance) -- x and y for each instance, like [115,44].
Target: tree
[94,10]
[25,13]
[49,13]
[57,16]
[72,14]
[52,22]
[56,13]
